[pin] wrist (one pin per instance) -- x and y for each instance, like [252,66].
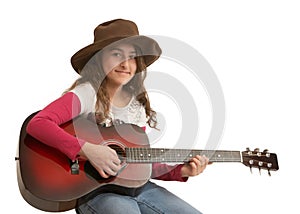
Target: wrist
[84,150]
[183,172]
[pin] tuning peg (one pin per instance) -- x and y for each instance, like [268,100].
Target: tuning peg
[269,173]
[260,164]
[251,163]
[248,151]
[256,149]
[266,151]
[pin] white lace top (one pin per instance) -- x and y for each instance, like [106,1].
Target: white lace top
[133,113]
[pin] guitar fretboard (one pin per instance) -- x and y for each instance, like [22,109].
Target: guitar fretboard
[152,155]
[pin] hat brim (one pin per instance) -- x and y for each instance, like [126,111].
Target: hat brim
[149,47]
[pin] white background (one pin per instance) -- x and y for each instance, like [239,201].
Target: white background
[253,47]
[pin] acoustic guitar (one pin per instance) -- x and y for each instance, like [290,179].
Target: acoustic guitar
[50,181]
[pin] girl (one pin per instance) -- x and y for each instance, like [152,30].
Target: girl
[111,91]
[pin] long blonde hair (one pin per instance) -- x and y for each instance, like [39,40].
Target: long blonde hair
[93,73]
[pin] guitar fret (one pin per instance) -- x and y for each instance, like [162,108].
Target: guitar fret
[226,156]
[150,155]
[161,152]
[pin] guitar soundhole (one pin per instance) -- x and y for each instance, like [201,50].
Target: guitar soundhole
[94,174]
[120,151]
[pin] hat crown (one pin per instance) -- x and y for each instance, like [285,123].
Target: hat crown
[115,28]
[113,32]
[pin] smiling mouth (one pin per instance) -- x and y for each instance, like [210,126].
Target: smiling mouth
[122,72]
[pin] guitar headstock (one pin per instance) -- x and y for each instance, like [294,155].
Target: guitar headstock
[261,160]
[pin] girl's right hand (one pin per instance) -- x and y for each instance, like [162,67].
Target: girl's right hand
[103,158]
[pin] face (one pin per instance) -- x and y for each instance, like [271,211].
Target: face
[119,64]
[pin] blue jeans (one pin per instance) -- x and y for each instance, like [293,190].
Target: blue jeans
[151,199]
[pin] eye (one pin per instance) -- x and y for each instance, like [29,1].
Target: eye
[132,56]
[117,54]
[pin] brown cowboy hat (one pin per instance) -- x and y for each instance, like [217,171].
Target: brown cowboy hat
[111,32]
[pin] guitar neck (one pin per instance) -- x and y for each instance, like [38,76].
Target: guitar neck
[152,155]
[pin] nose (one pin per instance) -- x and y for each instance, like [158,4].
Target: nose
[124,63]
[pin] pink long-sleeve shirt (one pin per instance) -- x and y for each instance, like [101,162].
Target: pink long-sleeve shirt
[45,126]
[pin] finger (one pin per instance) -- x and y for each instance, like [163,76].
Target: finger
[103,173]
[116,161]
[114,152]
[196,168]
[110,172]
[192,164]
[115,168]
[199,158]
[198,161]
[203,160]
[115,158]
[206,159]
